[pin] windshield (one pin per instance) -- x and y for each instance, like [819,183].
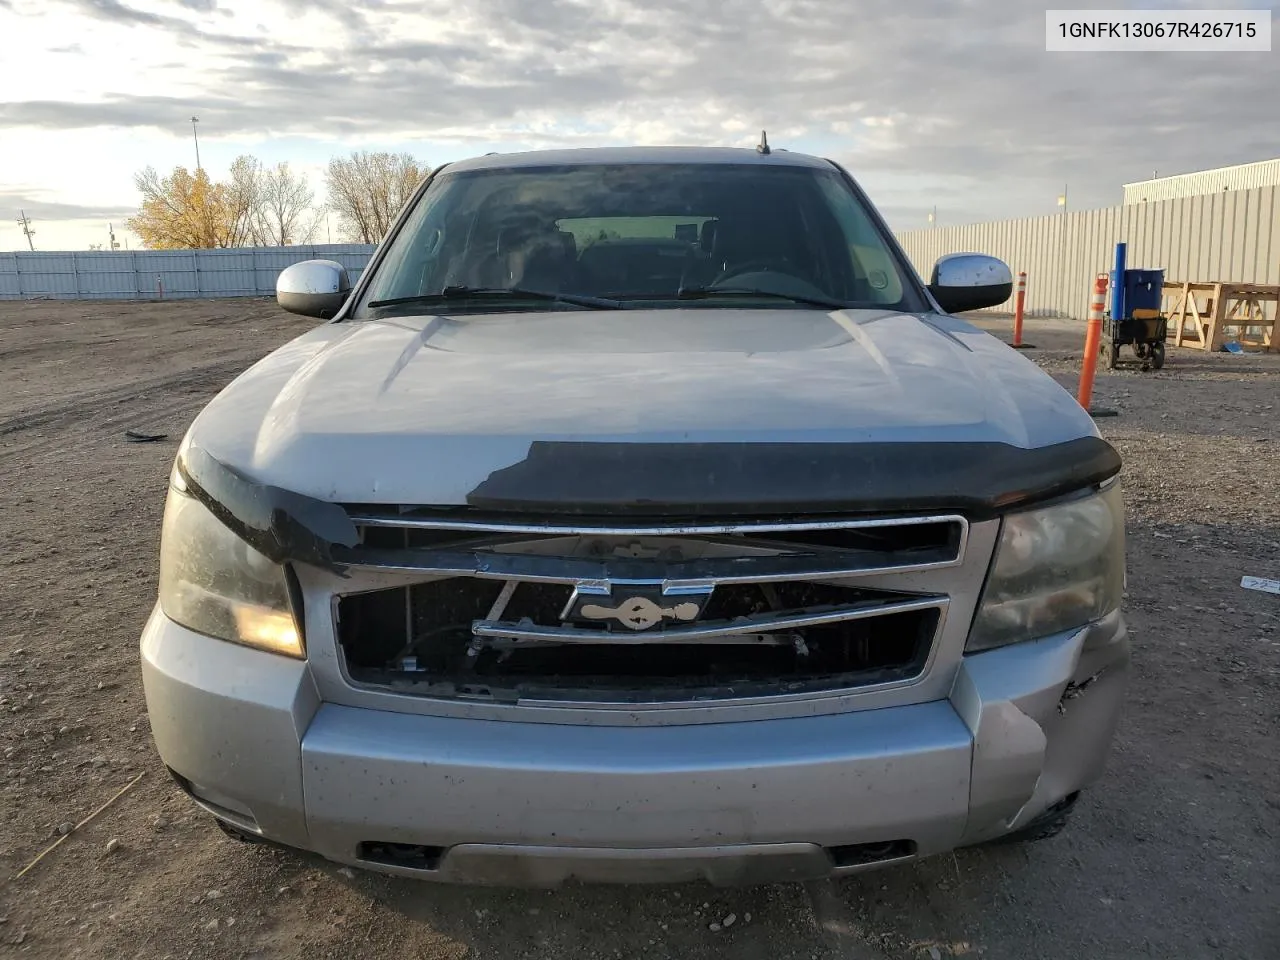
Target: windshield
[649,235]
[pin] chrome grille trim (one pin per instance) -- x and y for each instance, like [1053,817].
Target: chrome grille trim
[804,563]
[651,530]
[539,569]
[738,627]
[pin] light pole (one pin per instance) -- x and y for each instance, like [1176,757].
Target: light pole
[196,138]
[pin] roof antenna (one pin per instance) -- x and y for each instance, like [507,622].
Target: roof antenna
[763,145]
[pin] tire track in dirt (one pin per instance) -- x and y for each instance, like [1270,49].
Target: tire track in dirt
[196,380]
[162,405]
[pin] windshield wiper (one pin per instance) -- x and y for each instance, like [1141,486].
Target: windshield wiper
[460,292]
[711,293]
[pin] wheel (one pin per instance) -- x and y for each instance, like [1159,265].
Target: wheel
[1111,355]
[1157,355]
[1049,824]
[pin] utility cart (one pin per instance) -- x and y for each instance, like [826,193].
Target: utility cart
[1140,323]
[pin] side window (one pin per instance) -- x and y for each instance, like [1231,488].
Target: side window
[876,275]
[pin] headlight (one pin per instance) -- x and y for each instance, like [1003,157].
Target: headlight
[1055,569]
[213,582]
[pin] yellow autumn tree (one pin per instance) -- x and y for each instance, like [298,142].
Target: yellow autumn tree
[187,210]
[177,211]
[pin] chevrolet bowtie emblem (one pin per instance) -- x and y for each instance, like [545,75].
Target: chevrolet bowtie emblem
[641,609]
[640,613]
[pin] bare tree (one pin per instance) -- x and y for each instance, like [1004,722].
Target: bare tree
[241,202]
[285,215]
[367,190]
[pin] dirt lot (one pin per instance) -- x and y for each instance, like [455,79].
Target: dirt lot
[1175,854]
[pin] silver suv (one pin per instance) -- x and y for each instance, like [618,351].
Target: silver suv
[639,515]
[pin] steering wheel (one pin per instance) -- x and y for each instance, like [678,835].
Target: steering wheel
[760,265]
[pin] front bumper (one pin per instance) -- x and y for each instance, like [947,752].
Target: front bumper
[249,737]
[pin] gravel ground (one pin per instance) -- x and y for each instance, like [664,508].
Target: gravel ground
[1176,853]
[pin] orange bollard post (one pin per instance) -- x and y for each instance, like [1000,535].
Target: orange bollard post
[1092,342]
[1018,304]
[1019,310]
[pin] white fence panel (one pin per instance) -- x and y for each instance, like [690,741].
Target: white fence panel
[228,273]
[168,273]
[150,274]
[49,274]
[105,275]
[9,287]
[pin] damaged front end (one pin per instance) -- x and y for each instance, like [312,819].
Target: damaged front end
[1043,715]
[646,614]
[471,655]
[468,604]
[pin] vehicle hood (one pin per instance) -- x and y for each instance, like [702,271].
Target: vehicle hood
[422,410]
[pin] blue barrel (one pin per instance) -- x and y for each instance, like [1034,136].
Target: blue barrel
[1143,290]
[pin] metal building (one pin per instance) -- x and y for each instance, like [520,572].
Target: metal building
[1230,236]
[1242,176]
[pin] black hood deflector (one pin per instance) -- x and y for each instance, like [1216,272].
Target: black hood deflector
[687,480]
[278,523]
[750,479]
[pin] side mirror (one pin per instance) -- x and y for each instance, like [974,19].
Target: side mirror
[313,288]
[970,281]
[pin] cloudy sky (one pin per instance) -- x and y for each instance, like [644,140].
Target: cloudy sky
[953,103]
